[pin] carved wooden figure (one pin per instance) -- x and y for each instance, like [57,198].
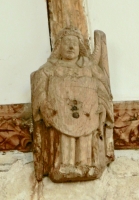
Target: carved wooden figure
[73,110]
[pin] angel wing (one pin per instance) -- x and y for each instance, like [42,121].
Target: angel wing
[101,71]
[100,57]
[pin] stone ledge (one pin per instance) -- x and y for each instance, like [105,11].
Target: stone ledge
[7,159]
[119,181]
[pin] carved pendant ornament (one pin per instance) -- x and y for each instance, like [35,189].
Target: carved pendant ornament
[73,110]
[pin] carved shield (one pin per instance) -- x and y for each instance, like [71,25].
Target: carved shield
[72,105]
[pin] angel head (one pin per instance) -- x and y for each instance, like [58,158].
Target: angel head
[69,44]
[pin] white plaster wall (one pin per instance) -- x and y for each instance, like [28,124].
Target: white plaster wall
[119,19]
[24,46]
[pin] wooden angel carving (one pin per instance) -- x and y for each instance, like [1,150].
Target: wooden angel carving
[72,110]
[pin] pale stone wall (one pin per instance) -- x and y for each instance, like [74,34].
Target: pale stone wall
[17,182]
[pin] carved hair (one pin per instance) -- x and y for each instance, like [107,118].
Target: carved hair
[69,31]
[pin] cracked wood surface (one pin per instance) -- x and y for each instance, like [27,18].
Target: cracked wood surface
[63,13]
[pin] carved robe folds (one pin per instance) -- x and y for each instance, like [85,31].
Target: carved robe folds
[73,120]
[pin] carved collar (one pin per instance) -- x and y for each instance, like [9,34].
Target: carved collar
[82,61]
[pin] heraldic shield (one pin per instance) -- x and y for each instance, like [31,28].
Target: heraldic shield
[73,111]
[72,105]
[71,142]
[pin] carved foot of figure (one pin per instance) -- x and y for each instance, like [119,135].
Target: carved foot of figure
[70,169]
[68,173]
[84,169]
[94,173]
[65,173]
[91,171]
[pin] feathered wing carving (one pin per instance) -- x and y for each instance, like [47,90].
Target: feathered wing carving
[100,58]
[101,71]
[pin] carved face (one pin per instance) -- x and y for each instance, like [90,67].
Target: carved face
[69,47]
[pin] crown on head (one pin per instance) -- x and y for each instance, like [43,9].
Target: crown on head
[69,31]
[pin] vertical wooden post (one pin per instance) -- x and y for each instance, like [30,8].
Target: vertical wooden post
[63,13]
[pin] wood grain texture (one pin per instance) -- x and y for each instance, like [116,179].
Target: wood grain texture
[67,13]
[73,110]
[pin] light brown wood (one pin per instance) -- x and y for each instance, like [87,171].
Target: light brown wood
[67,13]
[72,110]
